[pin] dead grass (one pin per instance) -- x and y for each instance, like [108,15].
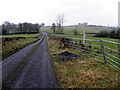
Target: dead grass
[82,73]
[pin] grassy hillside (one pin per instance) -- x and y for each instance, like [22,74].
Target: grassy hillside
[80,28]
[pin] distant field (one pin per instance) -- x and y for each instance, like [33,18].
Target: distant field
[20,35]
[69,29]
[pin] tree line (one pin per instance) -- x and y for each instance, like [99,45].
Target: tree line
[21,28]
[110,34]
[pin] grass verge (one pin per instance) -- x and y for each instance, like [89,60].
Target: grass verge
[20,35]
[14,45]
[82,73]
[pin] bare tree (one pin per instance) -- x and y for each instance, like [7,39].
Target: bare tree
[60,19]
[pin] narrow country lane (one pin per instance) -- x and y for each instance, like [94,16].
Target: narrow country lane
[37,73]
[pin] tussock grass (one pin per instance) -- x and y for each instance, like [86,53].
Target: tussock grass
[82,73]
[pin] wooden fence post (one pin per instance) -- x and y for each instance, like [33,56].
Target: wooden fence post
[102,46]
[84,36]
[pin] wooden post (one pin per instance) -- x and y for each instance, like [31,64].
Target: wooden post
[84,35]
[102,46]
[90,51]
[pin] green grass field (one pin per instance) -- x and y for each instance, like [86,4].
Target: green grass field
[69,30]
[80,29]
[20,35]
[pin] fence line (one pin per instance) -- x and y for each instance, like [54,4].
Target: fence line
[94,55]
[98,57]
[112,56]
[112,60]
[94,45]
[111,42]
[113,64]
[97,54]
[112,49]
[82,39]
[102,47]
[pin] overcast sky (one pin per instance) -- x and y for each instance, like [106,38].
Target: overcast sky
[99,12]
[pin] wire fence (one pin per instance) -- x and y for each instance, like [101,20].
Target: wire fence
[96,48]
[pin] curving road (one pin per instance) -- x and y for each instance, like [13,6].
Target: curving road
[38,72]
